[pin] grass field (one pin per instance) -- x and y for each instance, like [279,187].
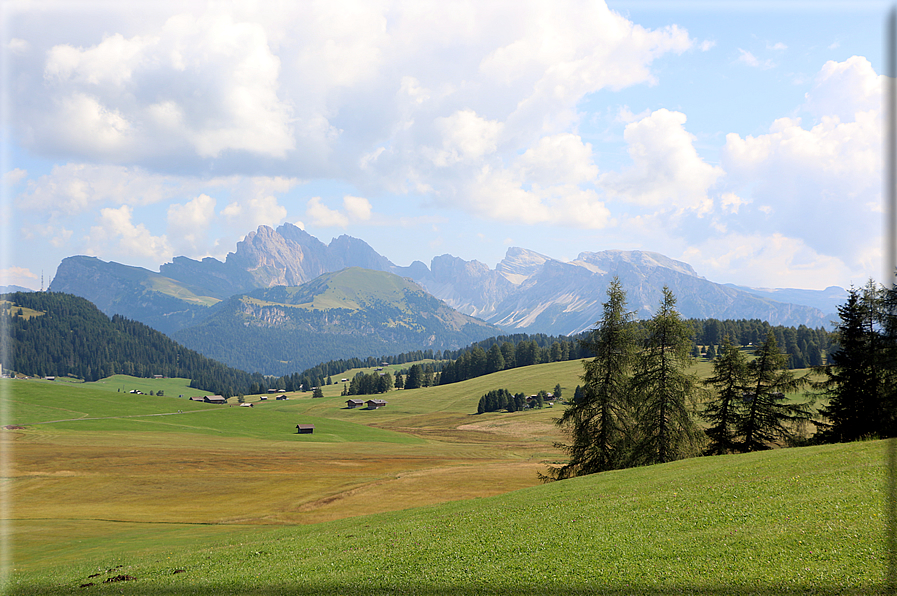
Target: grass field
[421,497]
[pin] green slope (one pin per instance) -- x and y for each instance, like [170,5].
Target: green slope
[351,313]
[796,521]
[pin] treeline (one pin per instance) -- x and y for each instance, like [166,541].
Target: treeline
[805,347]
[501,399]
[318,375]
[637,404]
[73,338]
[369,384]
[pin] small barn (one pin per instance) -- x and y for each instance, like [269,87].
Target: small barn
[279,397]
[214,399]
[375,404]
[263,398]
[197,398]
[246,405]
[305,429]
[354,403]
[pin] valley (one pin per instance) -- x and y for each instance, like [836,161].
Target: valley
[242,504]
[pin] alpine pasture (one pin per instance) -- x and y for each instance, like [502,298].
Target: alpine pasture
[140,494]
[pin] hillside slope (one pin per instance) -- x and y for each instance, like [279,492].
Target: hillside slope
[357,312]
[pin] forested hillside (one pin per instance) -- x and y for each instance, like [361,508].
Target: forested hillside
[72,337]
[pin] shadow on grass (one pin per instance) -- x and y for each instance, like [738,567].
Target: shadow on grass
[423,590]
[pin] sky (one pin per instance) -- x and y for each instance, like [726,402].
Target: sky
[744,138]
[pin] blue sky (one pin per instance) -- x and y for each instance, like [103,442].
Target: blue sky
[742,138]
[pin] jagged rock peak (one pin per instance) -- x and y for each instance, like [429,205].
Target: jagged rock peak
[520,263]
[448,268]
[608,260]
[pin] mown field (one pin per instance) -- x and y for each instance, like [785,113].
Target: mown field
[421,497]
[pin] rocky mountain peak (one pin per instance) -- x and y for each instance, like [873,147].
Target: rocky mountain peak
[520,263]
[607,261]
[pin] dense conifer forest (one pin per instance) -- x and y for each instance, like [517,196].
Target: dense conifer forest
[71,337]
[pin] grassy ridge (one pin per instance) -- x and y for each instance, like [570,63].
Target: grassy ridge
[793,521]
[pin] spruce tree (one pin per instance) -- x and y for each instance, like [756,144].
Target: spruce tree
[663,429]
[723,409]
[769,419]
[594,422]
[855,380]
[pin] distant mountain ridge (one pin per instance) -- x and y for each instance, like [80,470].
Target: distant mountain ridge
[526,292]
[355,311]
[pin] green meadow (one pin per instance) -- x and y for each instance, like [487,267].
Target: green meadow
[161,495]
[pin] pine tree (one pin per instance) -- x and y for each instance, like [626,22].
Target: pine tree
[769,419]
[594,422]
[722,410]
[663,392]
[855,383]
[415,377]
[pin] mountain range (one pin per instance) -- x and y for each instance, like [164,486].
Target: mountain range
[526,292]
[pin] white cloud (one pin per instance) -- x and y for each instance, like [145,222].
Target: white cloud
[74,188]
[116,236]
[807,181]
[749,59]
[765,260]
[731,202]
[844,88]
[465,137]
[14,176]
[357,208]
[321,215]
[17,46]
[207,83]
[255,211]
[558,159]
[778,46]
[188,223]
[707,45]
[667,171]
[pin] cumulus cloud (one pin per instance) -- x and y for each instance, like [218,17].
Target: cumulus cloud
[314,89]
[255,211]
[667,171]
[465,136]
[844,88]
[188,223]
[115,234]
[74,188]
[766,260]
[809,179]
[208,84]
[355,209]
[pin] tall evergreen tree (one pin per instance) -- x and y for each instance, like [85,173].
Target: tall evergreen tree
[663,428]
[594,421]
[723,409]
[769,419]
[854,380]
